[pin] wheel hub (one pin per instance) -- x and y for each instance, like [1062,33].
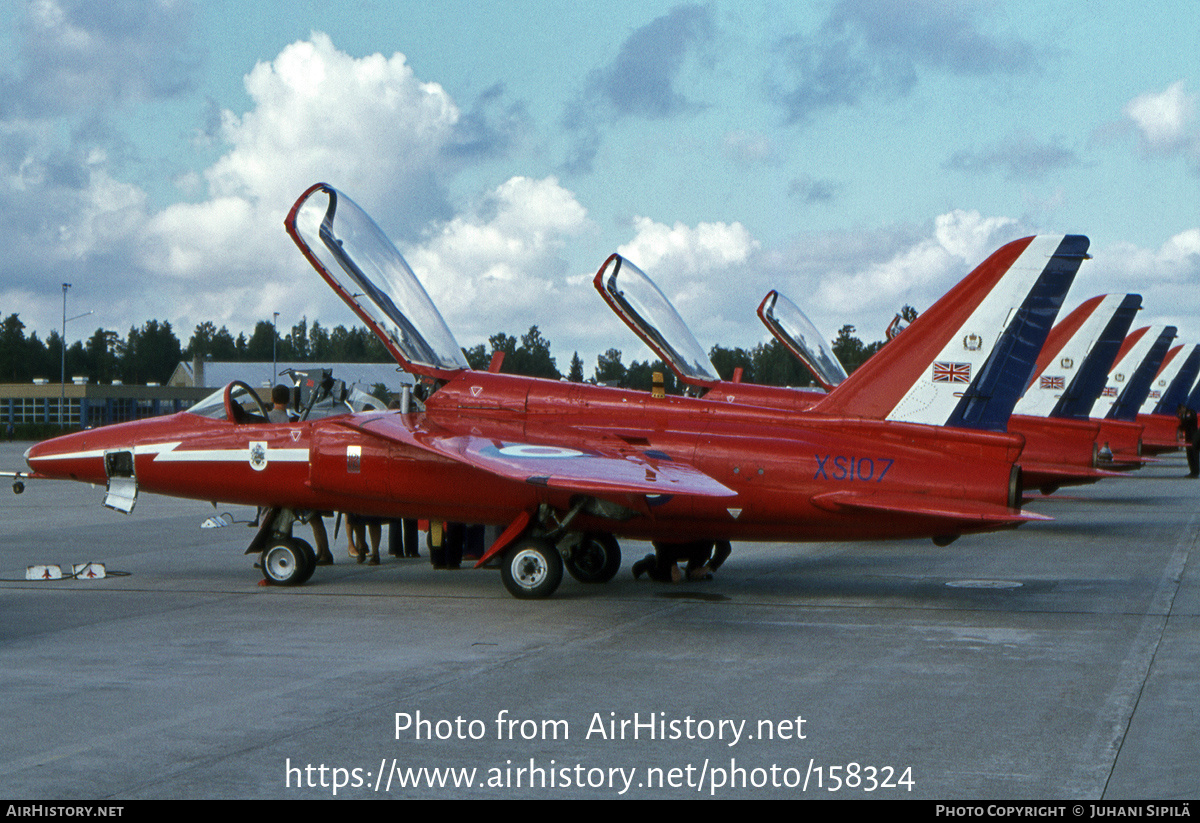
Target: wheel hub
[279,563]
[529,569]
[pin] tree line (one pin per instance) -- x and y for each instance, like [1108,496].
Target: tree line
[150,353]
[767,363]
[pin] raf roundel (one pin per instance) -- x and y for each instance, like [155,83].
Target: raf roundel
[528,450]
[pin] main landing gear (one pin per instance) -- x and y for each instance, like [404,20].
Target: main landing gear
[284,560]
[288,561]
[532,567]
[595,559]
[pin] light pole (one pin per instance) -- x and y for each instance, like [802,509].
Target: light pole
[274,358]
[62,397]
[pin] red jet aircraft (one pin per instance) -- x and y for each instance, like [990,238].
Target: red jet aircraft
[1137,361]
[565,467]
[1056,451]
[1059,450]
[1171,388]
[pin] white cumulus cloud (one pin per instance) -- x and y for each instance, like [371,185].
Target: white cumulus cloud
[1167,121]
[367,126]
[688,250]
[917,273]
[1166,117]
[500,267]
[699,268]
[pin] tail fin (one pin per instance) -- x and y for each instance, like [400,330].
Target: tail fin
[966,360]
[1129,381]
[1193,398]
[1073,367]
[1173,381]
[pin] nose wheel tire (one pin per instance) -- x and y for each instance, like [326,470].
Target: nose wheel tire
[532,569]
[288,562]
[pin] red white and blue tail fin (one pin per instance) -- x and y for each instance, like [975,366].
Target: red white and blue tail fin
[967,359]
[1073,367]
[1174,380]
[1129,381]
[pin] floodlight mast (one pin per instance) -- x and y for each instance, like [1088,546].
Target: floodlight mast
[62,397]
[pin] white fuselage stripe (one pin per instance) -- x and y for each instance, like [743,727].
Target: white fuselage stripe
[169,453]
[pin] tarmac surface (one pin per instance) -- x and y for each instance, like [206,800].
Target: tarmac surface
[1060,661]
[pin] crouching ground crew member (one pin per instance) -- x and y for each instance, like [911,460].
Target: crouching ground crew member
[703,558]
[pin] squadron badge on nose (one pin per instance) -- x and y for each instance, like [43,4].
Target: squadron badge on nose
[258,455]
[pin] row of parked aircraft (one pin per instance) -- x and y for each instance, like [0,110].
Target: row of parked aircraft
[938,435]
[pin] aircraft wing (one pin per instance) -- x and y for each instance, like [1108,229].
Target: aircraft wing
[963,514]
[557,458]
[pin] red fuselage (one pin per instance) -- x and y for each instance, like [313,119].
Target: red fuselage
[1160,433]
[791,477]
[1124,440]
[1057,452]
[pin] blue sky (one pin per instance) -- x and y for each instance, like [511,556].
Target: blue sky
[856,155]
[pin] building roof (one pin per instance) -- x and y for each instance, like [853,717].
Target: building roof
[259,375]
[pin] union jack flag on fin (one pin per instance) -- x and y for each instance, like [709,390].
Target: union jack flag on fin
[951,372]
[1109,391]
[1053,383]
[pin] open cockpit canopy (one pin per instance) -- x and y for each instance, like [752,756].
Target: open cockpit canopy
[795,331]
[646,310]
[358,261]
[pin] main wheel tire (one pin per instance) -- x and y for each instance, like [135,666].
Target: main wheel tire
[596,559]
[310,558]
[532,569]
[285,563]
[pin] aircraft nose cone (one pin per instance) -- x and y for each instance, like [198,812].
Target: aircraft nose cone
[65,457]
[31,456]
[33,453]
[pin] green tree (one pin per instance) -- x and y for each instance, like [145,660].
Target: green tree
[609,368]
[503,343]
[42,358]
[726,360]
[318,342]
[640,376]
[262,344]
[101,355]
[201,342]
[532,358]
[774,365]
[297,342]
[149,354]
[576,373]
[14,351]
[477,357]
[225,348]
